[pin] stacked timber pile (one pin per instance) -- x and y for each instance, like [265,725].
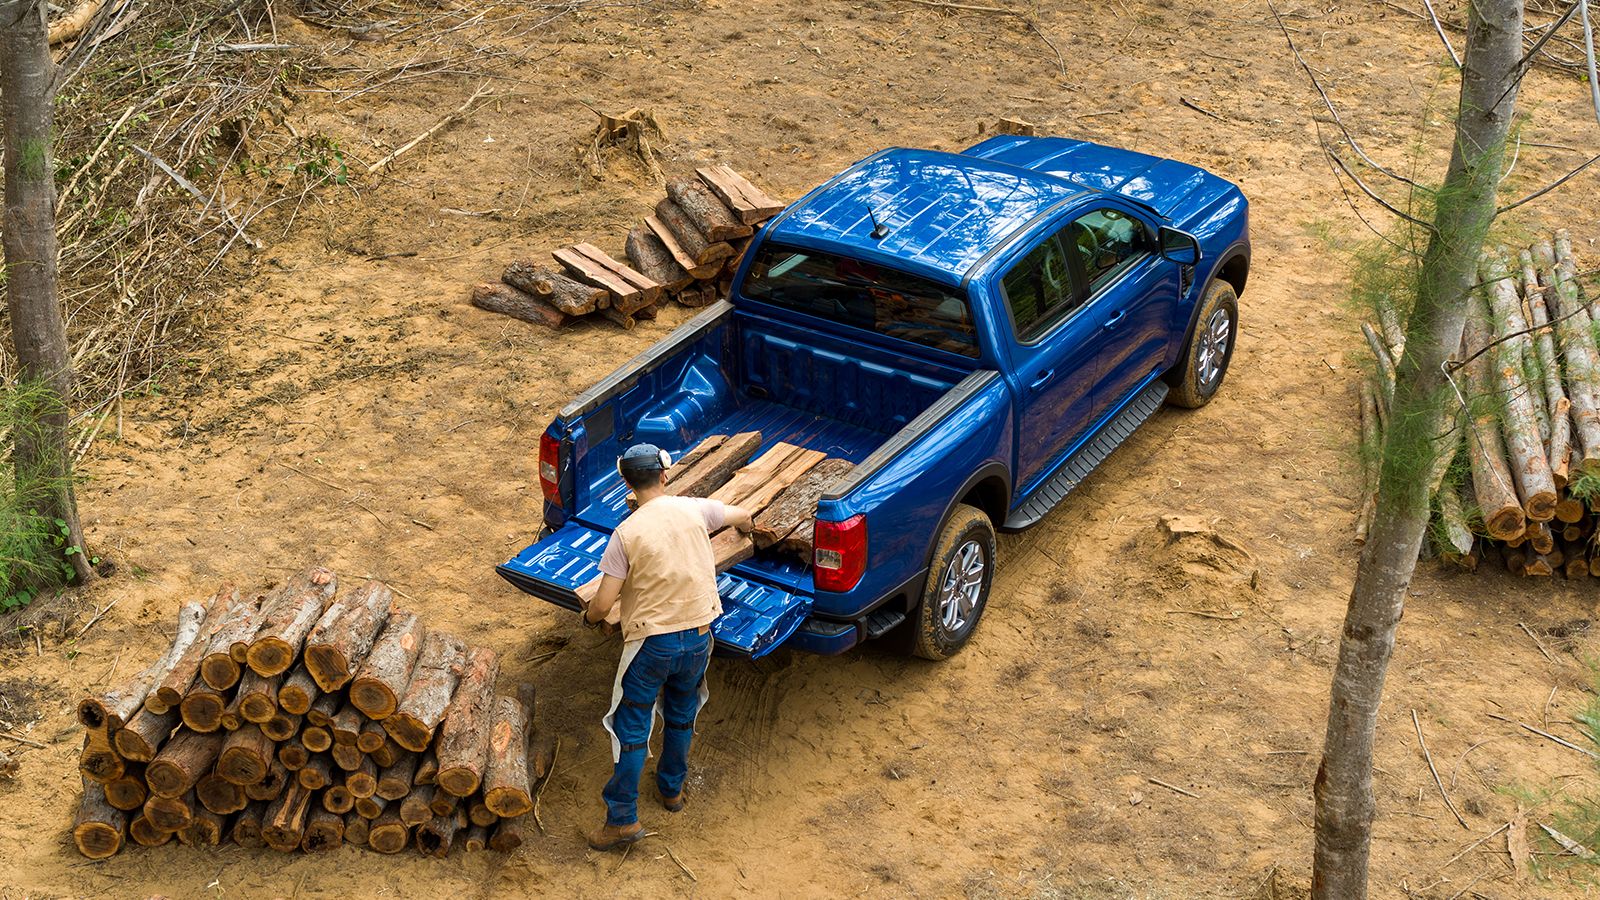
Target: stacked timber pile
[1519,483]
[687,251]
[301,720]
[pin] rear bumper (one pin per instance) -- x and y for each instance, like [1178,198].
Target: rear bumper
[544,590]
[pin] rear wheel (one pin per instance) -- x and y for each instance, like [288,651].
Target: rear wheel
[1199,374]
[957,589]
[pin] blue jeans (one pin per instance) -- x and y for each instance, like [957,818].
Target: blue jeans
[670,666]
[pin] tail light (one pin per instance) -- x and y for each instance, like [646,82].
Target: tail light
[841,553]
[550,467]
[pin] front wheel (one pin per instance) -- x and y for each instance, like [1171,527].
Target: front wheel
[1199,374]
[957,589]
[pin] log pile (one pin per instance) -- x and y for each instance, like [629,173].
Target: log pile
[306,718]
[687,250]
[1519,480]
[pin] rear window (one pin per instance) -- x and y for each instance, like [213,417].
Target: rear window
[863,295]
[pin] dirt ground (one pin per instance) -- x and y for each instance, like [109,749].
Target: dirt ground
[1137,716]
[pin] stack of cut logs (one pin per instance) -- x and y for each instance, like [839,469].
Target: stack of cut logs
[298,719]
[1519,479]
[688,251]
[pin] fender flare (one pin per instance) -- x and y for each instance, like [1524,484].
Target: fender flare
[988,470]
[1235,250]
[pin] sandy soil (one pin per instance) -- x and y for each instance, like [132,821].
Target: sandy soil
[1099,737]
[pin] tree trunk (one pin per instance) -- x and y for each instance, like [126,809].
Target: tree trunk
[344,634]
[287,617]
[116,709]
[182,762]
[39,336]
[285,820]
[432,683]
[246,831]
[395,781]
[1465,209]
[506,787]
[99,826]
[386,671]
[463,745]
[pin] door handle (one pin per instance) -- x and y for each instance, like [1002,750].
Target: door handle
[1041,379]
[1118,317]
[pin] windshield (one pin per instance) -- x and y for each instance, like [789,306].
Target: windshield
[863,295]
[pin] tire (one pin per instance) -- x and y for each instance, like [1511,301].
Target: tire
[949,611]
[1199,374]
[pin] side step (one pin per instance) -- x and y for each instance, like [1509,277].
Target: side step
[882,622]
[1075,468]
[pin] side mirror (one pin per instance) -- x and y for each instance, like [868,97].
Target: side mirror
[1179,246]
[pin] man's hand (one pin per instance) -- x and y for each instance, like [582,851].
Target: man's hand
[739,518]
[595,613]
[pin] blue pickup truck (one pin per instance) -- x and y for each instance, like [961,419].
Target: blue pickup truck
[976,331]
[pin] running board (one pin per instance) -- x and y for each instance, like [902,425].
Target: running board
[1075,468]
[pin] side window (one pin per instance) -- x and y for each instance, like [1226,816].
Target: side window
[1107,241]
[1039,289]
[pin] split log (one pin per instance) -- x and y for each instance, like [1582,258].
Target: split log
[258,696]
[1544,353]
[219,795]
[686,258]
[621,318]
[395,781]
[129,792]
[346,756]
[386,672]
[338,799]
[116,709]
[287,617]
[356,829]
[298,691]
[1503,515]
[507,835]
[170,813]
[344,634]
[168,691]
[285,820]
[479,813]
[629,289]
[324,831]
[99,760]
[729,548]
[372,737]
[98,828]
[363,779]
[417,807]
[435,836]
[710,216]
[346,725]
[506,789]
[246,830]
[756,490]
[388,833]
[282,726]
[703,250]
[246,757]
[693,455]
[204,829]
[798,502]
[271,785]
[237,623]
[1530,462]
[370,807]
[316,774]
[462,748]
[509,301]
[655,261]
[145,834]
[202,707]
[802,541]
[1575,330]
[477,837]
[712,471]
[433,681]
[751,204]
[567,295]
[293,754]
[697,296]
[427,769]
[179,764]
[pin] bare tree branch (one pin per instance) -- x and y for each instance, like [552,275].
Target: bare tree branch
[1548,188]
[1374,194]
[1439,27]
[1588,53]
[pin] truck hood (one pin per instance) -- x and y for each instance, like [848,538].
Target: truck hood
[1174,189]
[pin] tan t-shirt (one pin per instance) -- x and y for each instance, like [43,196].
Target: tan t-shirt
[662,552]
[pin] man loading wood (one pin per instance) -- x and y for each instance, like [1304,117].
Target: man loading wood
[660,566]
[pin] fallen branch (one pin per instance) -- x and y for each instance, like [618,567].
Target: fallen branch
[1417,723]
[198,194]
[438,126]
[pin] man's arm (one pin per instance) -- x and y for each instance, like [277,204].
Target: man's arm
[738,517]
[604,599]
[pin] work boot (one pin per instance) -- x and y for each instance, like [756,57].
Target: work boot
[610,837]
[676,802]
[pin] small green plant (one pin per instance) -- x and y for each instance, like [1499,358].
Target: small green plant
[320,159]
[33,548]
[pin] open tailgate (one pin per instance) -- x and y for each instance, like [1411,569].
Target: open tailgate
[756,617]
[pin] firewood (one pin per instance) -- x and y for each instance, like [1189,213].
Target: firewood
[317,773]
[287,617]
[696,296]
[181,762]
[202,708]
[204,829]
[168,691]
[703,250]
[1530,464]
[435,836]
[1538,566]
[655,261]
[687,259]
[387,754]
[751,204]
[145,834]
[567,295]
[394,782]
[389,834]
[802,541]
[417,806]
[338,799]
[323,710]
[246,830]
[99,760]
[346,725]
[619,317]
[1575,329]
[324,831]
[346,756]
[363,779]
[1544,353]
[219,795]
[298,691]
[1568,510]
[271,785]
[98,828]
[630,289]
[371,738]
[344,634]
[443,803]
[509,301]
[479,813]
[693,455]
[356,829]
[170,813]
[294,754]
[218,668]
[386,671]
[1539,537]
[129,792]
[1577,567]
[506,789]
[477,837]
[427,769]
[729,548]
[507,835]
[1457,537]
[246,756]
[284,822]
[462,748]
[798,502]
[281,727]
[1503,515]
[370,807]
[433,681]
[709,214]
[233,713]
[758,484]
[713,470]
[258,696]
[114,710]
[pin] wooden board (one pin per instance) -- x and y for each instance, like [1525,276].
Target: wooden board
[650,290]
[751,204]
[716,467]
[798,502]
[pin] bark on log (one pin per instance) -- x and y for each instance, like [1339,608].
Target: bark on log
[287,617]
[681,254]
[802,541]
[443,803]
[145,834]
[1539,537]
[219,795]
[346,725]
[316,774]
[344,634]
[356,829]
[703,251]
[751,204]
[363,779]
[518,304]
[238,622]
[427,769]
[338,799]
[179,764]
[435,836]
[1457,537]
[506,789]
[98,828]
[710,216]
[345,756]
[271,785]
[1503,516]
[1575,330]
[433,681]
[618,316]
[387,754]
[1530,462]
[116,709]
[693,455]
[170,813]
[129,792]
[324,831]
[462,748]
[388,833]
[246,756]
[169,689]
[477,837]
[298,691]
[652,258]
[798,502]
[713,470]
[294,754]
[507,835]
[1544,353]
[417,806]
[386,672]
[323,710]
[567,295]
[395,781]
[233,713]
[202,707]
[204,829]
[258,696]
[629,289]
[246,830]
[281,727]
[759,483]
[99,760]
